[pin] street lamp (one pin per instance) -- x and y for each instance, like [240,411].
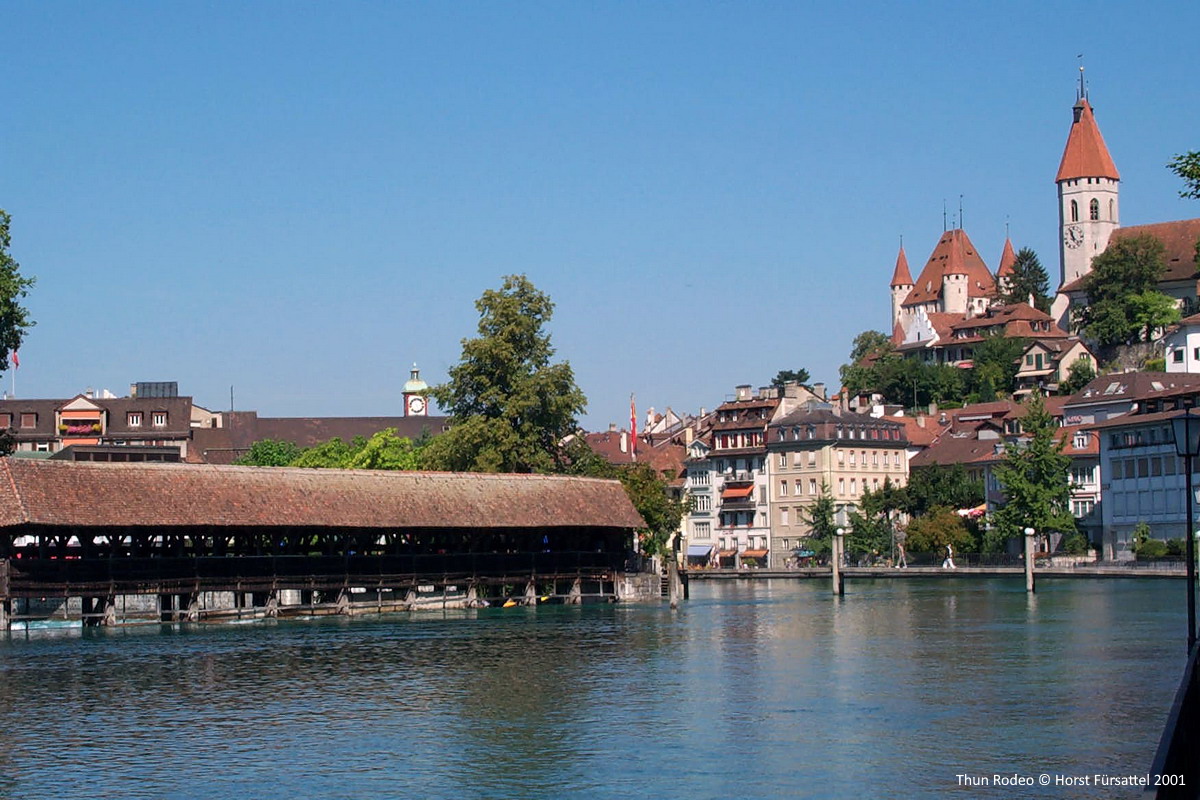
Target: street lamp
[1185,428]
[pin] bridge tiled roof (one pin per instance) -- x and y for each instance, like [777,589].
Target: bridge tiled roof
[81,494]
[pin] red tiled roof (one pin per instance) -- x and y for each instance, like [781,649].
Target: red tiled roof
[901,276]
[1085,155]
[953,255]
[1179,243]
[65,493]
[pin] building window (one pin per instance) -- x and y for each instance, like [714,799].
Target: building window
[783,460]
[1074,211]
[5,420]
[783,488]
[41,447]
[1081,508]
[841,486]
[783,517]
[701,502]
[1112,210]
[852,461]
[812,458]
[701,478]
[28,420]
[1095,209]
[159,419]
[135,419]
[853,486]
[1082,475]
[702,530]
[812,485]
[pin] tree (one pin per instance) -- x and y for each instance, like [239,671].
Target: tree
[511,408]
[871,526]
[819,516]
[1079,375]
[940,527]
[332,454]
[1036,477]
[860,375]
[1121,289]
[870,344]
[386,450]
[785,376]
[1028,278]
[1187,167]
[997,360]
[14,317]
[1151,311]
[940,484]
[270,453]
[648,490]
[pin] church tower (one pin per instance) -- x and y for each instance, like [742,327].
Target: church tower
[416,404]
[902,284]
[1088,182]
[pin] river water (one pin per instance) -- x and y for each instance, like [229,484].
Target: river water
[748,690]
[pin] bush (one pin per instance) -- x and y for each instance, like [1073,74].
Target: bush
[1076,545]
[1175,548]
[1151,548]
[1155,365]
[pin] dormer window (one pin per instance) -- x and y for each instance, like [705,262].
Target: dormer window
[134,419]
[159,419]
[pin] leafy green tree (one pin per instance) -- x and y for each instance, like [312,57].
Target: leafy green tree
[871,525]
[1028,278]
[386,450]
[784,376]
[511,407]
[819,516]
[870,344]
[860,376]
[14,317]
[648,490]
[270,453]
[1036,477]
[1079,375]
[997,360]
[1152,310]
[941,526]
[1120,288]
[332,454]
[940,485]
[1187,167]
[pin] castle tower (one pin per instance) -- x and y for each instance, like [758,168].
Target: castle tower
[902,284]
[1088,183]
[416,404]
[1004,272]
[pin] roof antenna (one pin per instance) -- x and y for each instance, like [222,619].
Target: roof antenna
[960,216]
[1007,235]
[944,215]
[1082,85]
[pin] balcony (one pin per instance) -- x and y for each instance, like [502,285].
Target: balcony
[77,428]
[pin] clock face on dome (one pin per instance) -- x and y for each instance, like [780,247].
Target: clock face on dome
[1073,236]
[416,405]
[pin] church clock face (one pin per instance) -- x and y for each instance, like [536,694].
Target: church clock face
[1073,236]
[416,405]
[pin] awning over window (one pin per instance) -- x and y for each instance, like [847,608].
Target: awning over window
[727,553]
[699,550]
[743,491]
[754,554]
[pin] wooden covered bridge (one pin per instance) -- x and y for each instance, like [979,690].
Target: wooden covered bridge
[114,543]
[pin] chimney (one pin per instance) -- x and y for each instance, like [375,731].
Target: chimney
[921,420]
[89,393]
[689,436]
[932,409]
[624,441]
[133,390]
[819,390]
[703,412]
[612,427]
[743,391]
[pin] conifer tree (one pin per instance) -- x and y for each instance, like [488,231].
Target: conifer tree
[1036,477]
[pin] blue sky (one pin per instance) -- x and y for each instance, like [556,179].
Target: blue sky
[299,200]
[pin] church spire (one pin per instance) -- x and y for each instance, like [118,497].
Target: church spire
[901,276]
[1086,155]
[1007,259]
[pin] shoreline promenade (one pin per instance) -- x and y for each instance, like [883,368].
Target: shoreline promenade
[1086,571]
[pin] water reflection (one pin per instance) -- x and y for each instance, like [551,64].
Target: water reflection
[748,690]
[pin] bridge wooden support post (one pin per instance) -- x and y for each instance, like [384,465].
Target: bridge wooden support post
[5,613]
[343,602]
[839,584]
[193,607]
[531,594]
[110,612]
[674,585]
[575,595]
[271,607]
